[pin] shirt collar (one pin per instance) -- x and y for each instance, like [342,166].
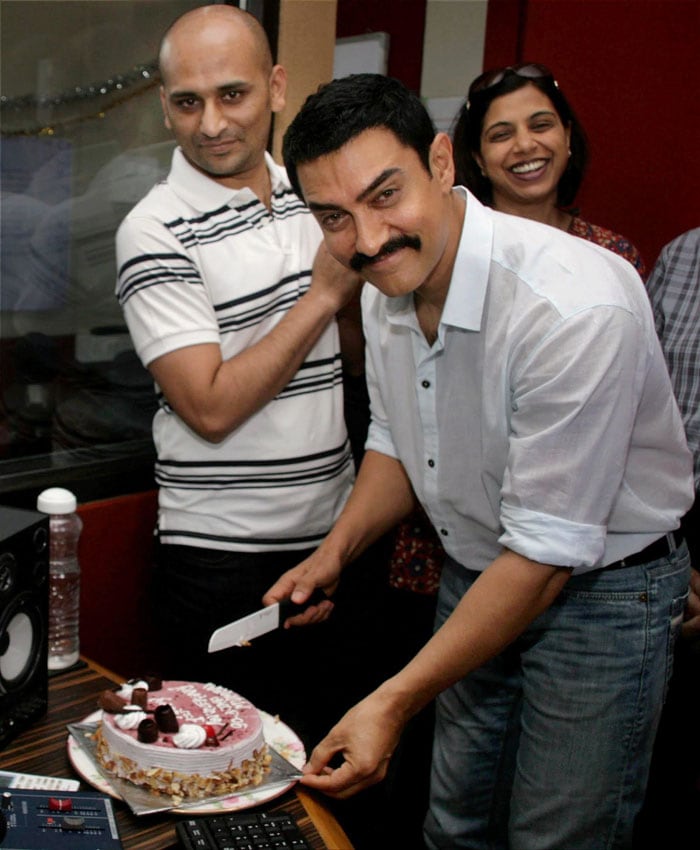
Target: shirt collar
[203,193]
[464,304]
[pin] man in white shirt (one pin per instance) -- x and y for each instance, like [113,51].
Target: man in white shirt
[518,389]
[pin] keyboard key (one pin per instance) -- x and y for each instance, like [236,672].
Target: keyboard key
[242,831]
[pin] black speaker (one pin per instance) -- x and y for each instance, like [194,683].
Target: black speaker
[24,605]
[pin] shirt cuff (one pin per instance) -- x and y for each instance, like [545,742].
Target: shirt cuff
[552,540]
[379,440]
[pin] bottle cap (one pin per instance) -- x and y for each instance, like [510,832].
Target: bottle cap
[56,500]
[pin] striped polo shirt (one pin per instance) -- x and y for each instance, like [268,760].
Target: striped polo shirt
[202,263]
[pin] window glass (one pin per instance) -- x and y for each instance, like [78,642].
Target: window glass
[82,141]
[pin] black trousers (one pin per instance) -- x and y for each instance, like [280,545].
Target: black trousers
[307,676]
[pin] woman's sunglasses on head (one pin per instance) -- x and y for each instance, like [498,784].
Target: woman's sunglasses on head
[489,79]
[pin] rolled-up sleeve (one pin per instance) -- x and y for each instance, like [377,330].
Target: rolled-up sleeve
[575,398]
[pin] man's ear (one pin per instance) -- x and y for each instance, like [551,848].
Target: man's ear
[441,161]
[163,105]
[278,88]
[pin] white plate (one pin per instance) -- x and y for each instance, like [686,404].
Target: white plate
[277,734]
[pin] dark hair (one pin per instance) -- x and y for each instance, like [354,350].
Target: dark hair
[342,109]
[466,134]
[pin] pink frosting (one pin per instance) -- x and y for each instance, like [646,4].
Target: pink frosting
[234,720]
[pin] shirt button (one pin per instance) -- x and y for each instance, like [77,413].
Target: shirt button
[425,384]
[431,463]
[444,532]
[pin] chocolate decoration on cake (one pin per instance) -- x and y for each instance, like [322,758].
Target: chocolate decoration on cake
[165,718]
[147,731]
[139,696]
[111,702]
[154,683]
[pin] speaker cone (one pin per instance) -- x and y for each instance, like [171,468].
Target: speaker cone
[21,632]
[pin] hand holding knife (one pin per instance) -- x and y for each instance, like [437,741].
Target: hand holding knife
[240,632]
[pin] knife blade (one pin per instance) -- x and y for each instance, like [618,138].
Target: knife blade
[242,631]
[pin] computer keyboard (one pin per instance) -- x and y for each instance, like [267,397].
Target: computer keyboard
[242,831]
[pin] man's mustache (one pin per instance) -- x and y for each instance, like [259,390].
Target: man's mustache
[359,261]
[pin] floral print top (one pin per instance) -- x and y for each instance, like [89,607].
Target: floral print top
[607,239]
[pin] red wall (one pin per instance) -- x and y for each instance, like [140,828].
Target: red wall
[116,555]
[404,20]
[631,71]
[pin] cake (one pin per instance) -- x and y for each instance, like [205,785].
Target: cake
[185,739]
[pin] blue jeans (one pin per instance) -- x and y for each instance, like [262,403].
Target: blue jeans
[547,747]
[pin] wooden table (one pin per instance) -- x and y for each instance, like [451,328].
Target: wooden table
[42,750]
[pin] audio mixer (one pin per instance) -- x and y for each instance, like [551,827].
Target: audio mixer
[57,820]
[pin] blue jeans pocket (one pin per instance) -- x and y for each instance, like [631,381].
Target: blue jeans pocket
[678,605]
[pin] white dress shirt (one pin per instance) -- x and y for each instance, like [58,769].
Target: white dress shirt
[543,418]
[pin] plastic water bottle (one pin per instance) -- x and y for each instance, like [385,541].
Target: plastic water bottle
[64,576]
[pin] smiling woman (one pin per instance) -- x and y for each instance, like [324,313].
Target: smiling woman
[519,147]
[525,149]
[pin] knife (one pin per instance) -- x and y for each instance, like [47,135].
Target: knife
[240,632]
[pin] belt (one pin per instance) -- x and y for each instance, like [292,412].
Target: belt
[658,549]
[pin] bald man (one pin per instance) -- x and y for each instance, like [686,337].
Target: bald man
[232,310]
